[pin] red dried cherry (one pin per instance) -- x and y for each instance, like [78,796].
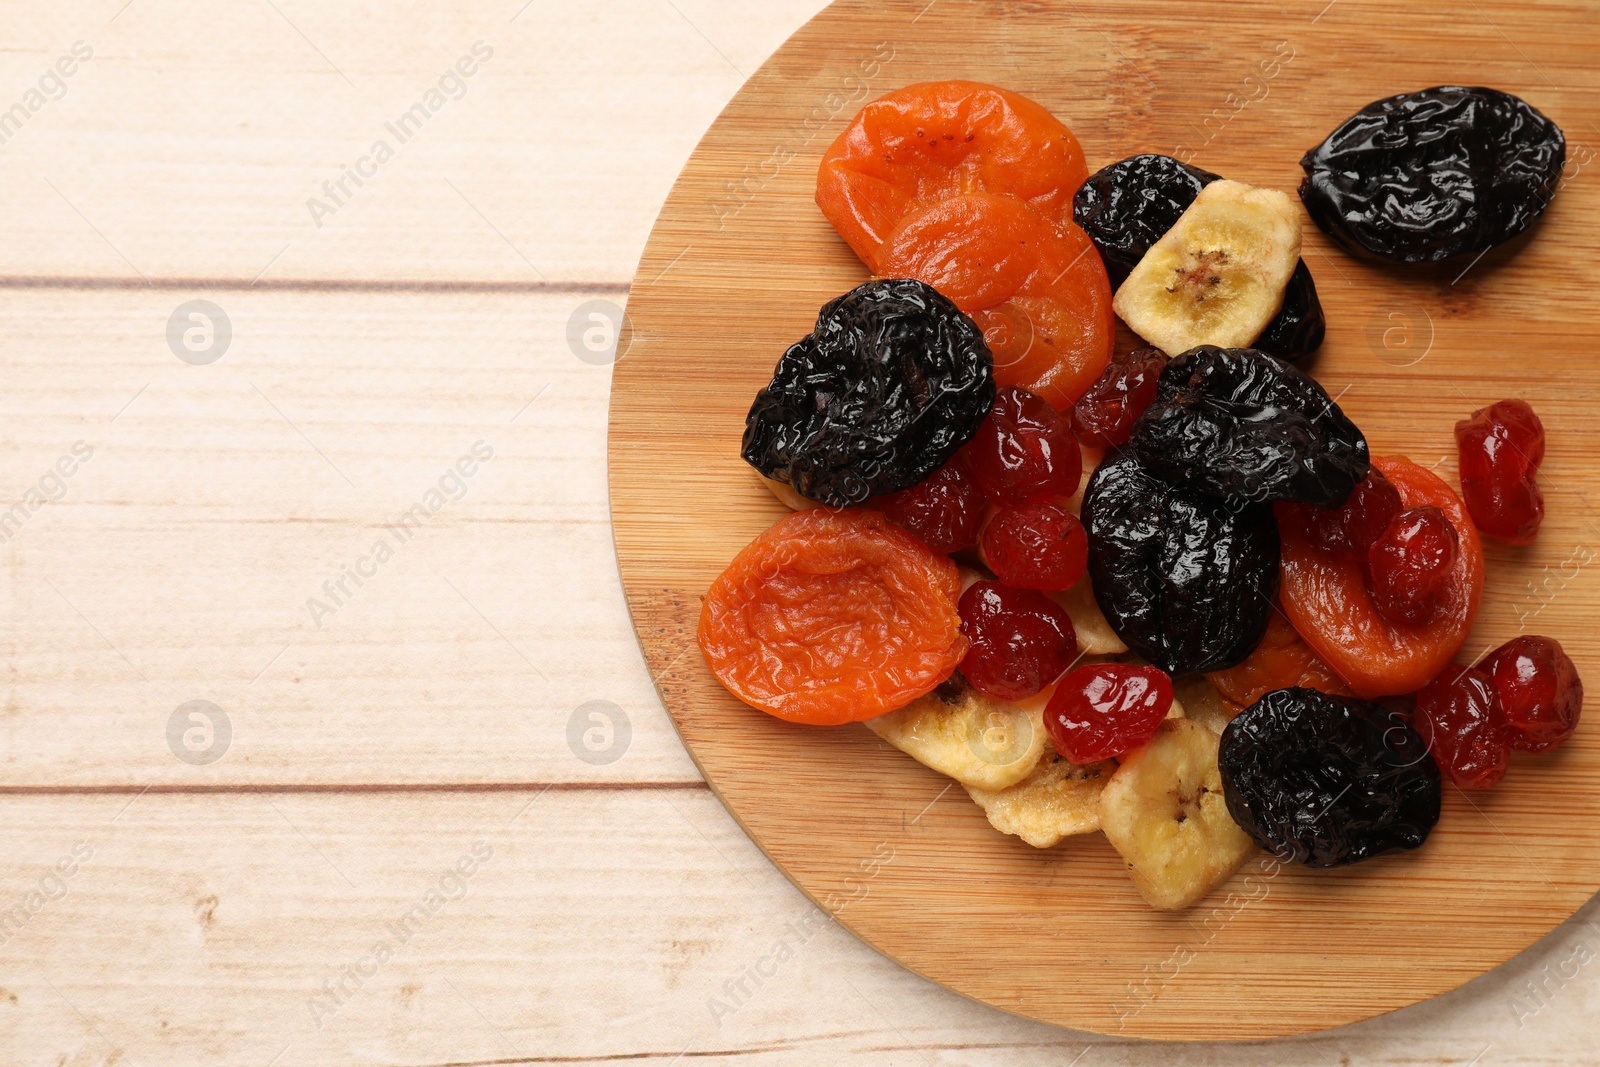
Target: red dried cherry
[1106,710]
[1459,720]
[1501,447]
[1411,562]
[1353,528]
[945,509]
[1024,452]
[1539,691]
[1036,546]
[1019,640]
[1104,415]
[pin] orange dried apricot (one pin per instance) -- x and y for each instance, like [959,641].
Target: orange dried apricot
[1037,289]
[832,617]
[1281,661]
[1329,600]
[927,142]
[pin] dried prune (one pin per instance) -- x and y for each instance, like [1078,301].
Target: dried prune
[1428,176]
[1127,206]
[1239,424]
[891,383]
[1326,780]
[1187,581]
[1300,326]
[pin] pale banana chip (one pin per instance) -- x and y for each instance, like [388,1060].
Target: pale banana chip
[1059,799]
[975,739]
[1218,276]
[1095,635]
[786,494]
[1202,702]
[1164,812]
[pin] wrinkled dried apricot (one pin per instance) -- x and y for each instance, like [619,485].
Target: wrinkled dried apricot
[1329,599]
[1037,289]
[928,142]
[1281,661]
[832,617]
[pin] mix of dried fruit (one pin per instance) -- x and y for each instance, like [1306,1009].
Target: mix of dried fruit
[1165,594]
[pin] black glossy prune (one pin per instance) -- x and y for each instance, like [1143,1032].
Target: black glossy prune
[1188,582]
[1238,424]
[1299,327]
[894,379]
[1326,780]
[1126,207]
[1429,176]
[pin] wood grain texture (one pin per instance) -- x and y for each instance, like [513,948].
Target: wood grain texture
[604,928]
[621,904]
[740,260]
[189,147]
[182,559]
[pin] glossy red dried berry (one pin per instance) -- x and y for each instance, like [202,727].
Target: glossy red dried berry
[1106,710]
[1411,562]
[1036,546]
[1459,720]
[1104,415]
[1024,452]
[945,509]
[1501,448]
[1353,528]
[1019,640]
[1540,693]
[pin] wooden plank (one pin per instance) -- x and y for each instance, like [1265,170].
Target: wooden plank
[218,500]
[720,294]
[601,928]
[606,922]
[164,157]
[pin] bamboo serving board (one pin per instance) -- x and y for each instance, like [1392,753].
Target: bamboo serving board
[738,264]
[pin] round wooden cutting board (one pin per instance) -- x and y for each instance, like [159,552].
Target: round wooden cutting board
[739,263]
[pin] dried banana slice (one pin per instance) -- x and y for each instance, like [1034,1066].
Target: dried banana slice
[1095,635]
[1164,812]
[1059,799]
[975,739]
[1202,703]
[1218,276]
[786,494]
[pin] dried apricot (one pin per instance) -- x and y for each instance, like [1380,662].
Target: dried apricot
[832,617]
[931,141]
[1281,661]
[1037,289]
[1329,599]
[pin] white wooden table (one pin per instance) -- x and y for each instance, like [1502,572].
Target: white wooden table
[400,830]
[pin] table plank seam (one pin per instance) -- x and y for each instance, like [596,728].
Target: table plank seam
[120,788]
[316,285]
